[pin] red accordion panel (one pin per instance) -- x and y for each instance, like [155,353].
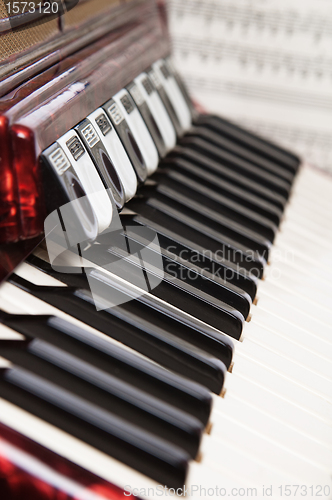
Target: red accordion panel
[38,112]
[29,471]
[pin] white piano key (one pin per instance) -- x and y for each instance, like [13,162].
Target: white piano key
[221,456]
[315,294]
[319,259]
[37,277]
[203,481]
[287,349]
[9,334]
[301,244]
[308,194]
[284,435]
[300,263]
[284,375]
[305,217]
[314,183]
[287,410]
[290,312]
[275,290]
[299,335]
[307,233]
[304,276]
[277,459]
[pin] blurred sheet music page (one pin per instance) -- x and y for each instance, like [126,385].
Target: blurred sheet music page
[266,64]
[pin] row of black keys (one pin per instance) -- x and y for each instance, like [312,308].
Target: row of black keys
[222,190]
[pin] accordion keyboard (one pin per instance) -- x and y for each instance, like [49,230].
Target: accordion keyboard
[185,342]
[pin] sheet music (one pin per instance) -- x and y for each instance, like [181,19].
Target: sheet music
[266,64]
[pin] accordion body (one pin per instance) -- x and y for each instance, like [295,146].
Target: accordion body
[165,308]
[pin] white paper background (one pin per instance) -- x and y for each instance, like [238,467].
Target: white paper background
[264,63]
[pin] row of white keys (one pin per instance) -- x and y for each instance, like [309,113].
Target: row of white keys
[286,363]
[289,442]
[266,371]
[270,318]
[299,311]
[296,299]
[307,433]
[265,459]
[283,433]
[299,301]
[299,343]
[316,217]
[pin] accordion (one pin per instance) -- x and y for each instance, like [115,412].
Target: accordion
[165,302]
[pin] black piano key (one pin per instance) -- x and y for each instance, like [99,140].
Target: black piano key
[218,189]
[180,293]
[134,331]
[108,392]
[137,448]
[225,174]
[249,140]
[135,370]
[183,270]
[238,165]
[198,233]
[157,315]
[227,228]
[204,307]
[232,147]
[215,201]
[176,246]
